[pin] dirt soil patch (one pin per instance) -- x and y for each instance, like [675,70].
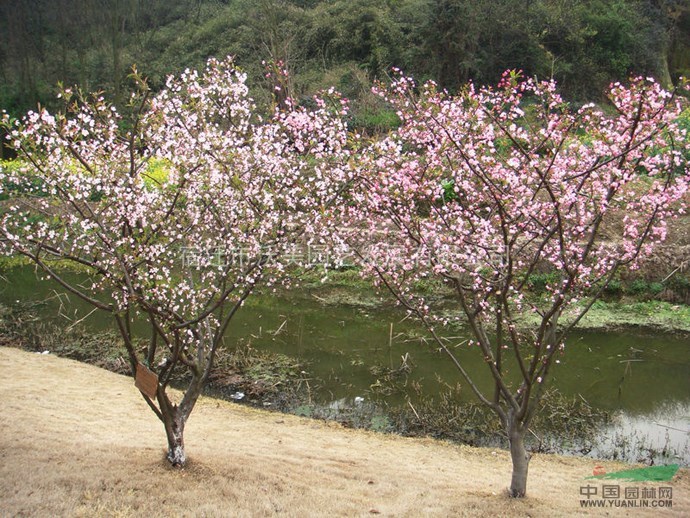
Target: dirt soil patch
[80,441]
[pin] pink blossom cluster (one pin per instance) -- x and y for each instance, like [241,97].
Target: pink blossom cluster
[197,168]
[484,189]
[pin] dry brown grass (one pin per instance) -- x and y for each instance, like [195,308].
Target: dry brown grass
[79,441]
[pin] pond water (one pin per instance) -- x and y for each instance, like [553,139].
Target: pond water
[642,377]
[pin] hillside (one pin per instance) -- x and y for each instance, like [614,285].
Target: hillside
[341,43]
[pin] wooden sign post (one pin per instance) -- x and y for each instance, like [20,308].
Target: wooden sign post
[146,381]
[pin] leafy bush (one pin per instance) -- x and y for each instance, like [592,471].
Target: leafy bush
[448,188]
[376,122]
[25,184]
[539,281]
[655,288]
[614,288]
[156,174]
[637,287]
[678,282]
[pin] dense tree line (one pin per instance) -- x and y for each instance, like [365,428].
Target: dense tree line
[584,44]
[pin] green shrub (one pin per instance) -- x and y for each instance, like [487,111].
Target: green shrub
[28,184]
[655,288]
[678,282]
[539,281]
[637,287]
[448,191]
[156,174]
[376,121]
[615,288]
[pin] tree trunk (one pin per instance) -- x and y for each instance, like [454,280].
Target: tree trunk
[520,458]
[664,72]
[174,423]
[174,418]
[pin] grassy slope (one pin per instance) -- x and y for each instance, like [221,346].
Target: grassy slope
[654,314]
[347,287]
[79,441]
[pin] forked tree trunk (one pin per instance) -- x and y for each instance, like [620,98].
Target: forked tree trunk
[174,430]
[174,418]
[520,458]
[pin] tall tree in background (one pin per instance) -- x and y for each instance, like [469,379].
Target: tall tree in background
[358,31]
[277,27]
[670,20]
[22,24]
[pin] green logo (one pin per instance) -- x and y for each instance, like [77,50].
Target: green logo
[651,473]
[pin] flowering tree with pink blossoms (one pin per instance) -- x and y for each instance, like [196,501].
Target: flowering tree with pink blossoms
[485,188]
[177,212]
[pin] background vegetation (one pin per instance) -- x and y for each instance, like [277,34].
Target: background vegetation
[584,44]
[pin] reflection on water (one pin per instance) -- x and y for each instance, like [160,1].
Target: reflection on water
[643,377]
[660,436]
